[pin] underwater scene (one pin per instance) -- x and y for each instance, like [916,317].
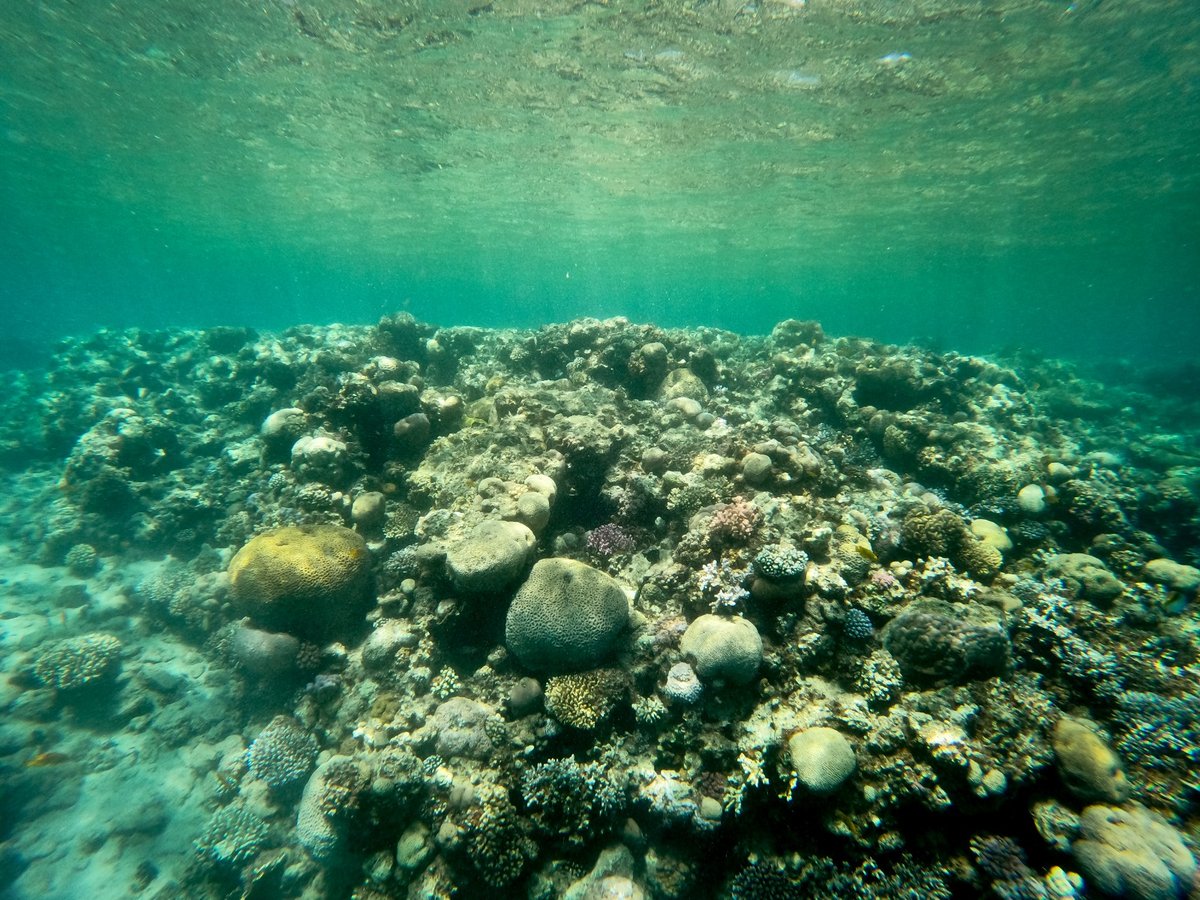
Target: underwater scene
[599,449]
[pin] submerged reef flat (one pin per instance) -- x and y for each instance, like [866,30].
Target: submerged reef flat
[596,610]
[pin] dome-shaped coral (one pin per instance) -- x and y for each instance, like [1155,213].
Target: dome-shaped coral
[565,617]
[822,759]
[725,648]
[308,579]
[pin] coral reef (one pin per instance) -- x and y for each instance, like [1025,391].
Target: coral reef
[75,662]
[596,609]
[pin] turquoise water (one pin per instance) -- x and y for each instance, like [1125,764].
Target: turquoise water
[983,175]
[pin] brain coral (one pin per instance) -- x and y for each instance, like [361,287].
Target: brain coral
[307,579]
[565,617]
[725,648]
[822,759]
[75,662]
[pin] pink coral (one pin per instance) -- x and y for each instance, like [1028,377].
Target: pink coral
[735,523]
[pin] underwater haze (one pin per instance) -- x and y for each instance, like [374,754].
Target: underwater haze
[979,174]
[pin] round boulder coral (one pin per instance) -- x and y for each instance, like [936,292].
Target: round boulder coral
[308,579]
[491,557]
[567,616]
[725,648]
[822,759]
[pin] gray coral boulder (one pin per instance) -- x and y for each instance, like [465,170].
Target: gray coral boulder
[491,557]
[566,617]
[725,648]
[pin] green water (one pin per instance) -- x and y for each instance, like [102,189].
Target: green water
[1026,175]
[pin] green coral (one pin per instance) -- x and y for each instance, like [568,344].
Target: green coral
[497,838]
[74,662]
[233,836]
[307,579]
[572,801]
[283,754]
[585,699]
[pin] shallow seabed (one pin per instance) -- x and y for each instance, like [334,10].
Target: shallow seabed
[594,610]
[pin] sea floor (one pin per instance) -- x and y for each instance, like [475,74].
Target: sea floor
[595,610]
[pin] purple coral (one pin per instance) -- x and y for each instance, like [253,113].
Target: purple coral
[609,539]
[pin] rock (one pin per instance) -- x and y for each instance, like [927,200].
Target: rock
[611,878]
[682,383]
[381,646]
[939,641]
[525,697]
[369,512]
[822,759]
[1088,766]
[264,654]
[491,557]
[1086,577]
[655,460]
[991,534]
[756,468]
[1133,853]
[320,457]
[280,430]
[459,728]
[411,433]
[533,510]
[1173,575]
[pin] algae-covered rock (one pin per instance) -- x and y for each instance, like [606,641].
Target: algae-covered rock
[307,579]
[1085,576]
[1088,766]
[939,641]
[567,616]
[459,727]
[491,557]
[822,759]
[725,648]
[1174,576]
[1133,853]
